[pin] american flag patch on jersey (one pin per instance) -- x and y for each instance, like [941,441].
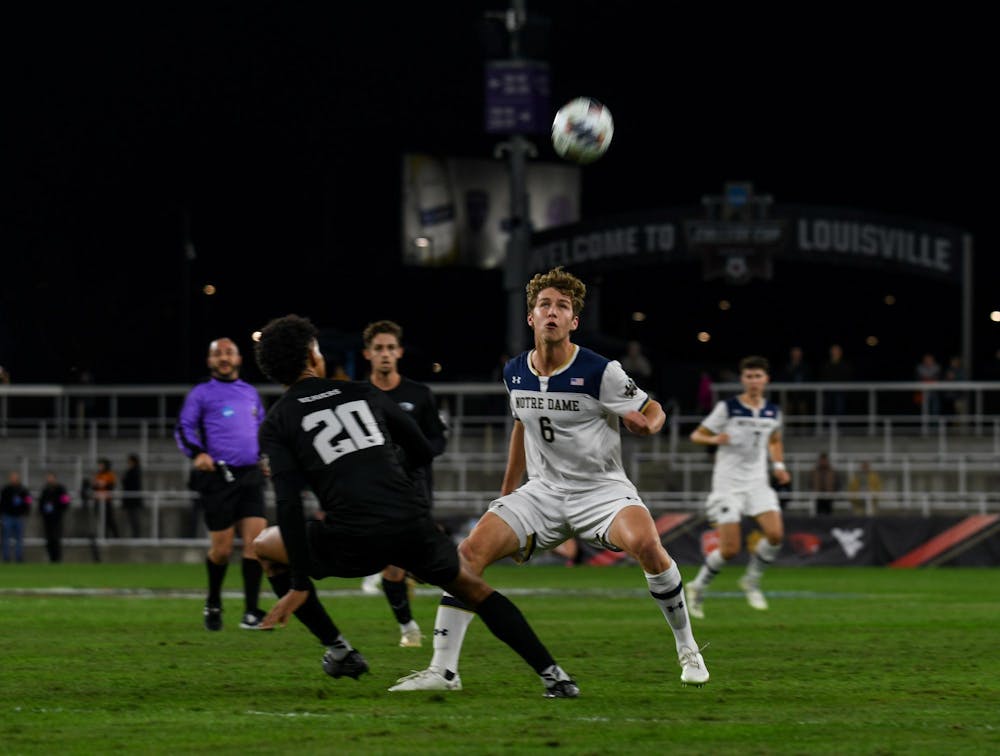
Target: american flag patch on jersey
[576,381]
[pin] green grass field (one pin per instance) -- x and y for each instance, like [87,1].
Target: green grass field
[846,661]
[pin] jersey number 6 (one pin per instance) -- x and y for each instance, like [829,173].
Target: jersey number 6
[548,432]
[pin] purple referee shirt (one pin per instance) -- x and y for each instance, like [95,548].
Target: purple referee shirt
[221,418]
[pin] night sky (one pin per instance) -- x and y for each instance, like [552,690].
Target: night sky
[272,133]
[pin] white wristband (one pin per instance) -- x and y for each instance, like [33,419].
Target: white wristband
[778,465]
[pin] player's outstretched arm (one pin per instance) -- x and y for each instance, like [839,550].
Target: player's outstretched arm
[702,435]
[282,611]
[776,450]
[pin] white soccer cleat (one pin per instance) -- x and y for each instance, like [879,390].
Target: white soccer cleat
[372,585]
[695,596]
[693,669]
[411,639]
[426,679]
[754,596]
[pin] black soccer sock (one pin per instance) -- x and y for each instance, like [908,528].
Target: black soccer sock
[507,623]
[311,614]
[252,572]
[399,601]
[216,574]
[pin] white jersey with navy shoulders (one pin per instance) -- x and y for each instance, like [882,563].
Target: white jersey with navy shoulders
[743,461]
[571,434]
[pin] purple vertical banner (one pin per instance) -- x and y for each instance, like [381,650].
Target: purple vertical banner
[517,97]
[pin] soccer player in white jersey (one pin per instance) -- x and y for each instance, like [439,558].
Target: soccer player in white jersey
[566,402]
[747,430]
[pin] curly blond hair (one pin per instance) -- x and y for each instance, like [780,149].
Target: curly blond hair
[563,281]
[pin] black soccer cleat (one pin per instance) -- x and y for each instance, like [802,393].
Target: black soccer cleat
[252,619]
[352,665]
[213,618]
[562,689]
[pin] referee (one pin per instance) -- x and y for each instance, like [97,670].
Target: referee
[217,430]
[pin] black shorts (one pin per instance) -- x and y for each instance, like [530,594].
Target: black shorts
[421,549]
[227,503]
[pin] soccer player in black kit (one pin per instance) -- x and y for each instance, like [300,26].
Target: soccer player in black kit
[383,342]
[339,438]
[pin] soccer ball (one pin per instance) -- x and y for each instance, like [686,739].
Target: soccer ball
[582,130]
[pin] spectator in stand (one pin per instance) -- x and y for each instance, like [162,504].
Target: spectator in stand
[824,480]
[103,485]
[797,371]
[132,494]
[637,364]
[15,503]
[955,402]
[4,375]
[864,485]
[928,371]
[53,503]
[836,370]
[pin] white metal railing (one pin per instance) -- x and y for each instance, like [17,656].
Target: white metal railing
[116,408]
[961,453]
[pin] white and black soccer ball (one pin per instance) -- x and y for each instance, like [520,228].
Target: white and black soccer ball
[582,130]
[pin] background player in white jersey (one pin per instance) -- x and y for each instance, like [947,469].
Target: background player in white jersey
[747,429]
[566,402]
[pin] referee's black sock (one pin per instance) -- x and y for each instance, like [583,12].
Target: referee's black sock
[507,623]
[311,614]
[252,572]
[216,574]
[399,601]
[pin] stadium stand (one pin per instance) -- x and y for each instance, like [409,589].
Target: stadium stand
[928,464]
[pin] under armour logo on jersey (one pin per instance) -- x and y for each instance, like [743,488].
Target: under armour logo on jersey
[442,631]
[515,379]
[630,389]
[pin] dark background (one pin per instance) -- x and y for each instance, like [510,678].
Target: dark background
[273,133]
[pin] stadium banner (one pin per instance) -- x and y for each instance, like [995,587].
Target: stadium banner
[457,211]
[840,541]
[744,247]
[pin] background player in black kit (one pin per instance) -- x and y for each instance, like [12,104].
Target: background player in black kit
[383,342]
[338,437]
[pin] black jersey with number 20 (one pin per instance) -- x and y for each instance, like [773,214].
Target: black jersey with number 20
[339,438]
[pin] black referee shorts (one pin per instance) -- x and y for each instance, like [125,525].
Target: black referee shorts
[227,503]
[421,549]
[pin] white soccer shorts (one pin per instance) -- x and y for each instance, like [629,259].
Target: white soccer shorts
[543,517]
[732,506]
